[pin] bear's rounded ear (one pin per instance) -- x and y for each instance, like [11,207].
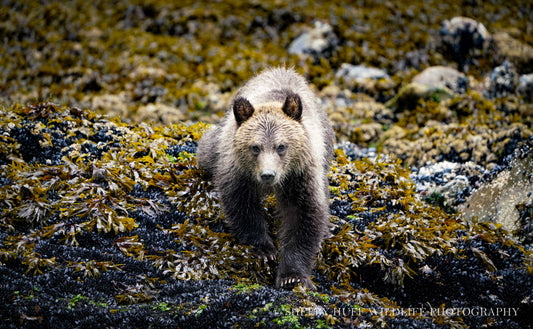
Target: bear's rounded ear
[242,109]
[293,107]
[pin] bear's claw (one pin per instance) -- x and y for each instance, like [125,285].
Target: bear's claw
[292,280]
[270,258]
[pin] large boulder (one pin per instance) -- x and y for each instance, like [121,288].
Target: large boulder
[518,53]
[434,83]
[409,95]
[506,197]
[360,73]
[318,42]
[460,36]
[370,80]
[441,77]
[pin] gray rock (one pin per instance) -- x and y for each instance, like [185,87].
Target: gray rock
[501,200]
[503,81]
[436,83]
[441,77]
[449,180]
[409,95]
[513,50]
[460,35]
[360,73]
[525,85]
[319,41]
[354,151]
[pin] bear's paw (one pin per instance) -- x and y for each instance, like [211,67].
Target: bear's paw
[266,252]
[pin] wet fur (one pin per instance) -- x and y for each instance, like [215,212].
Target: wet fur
[301,189]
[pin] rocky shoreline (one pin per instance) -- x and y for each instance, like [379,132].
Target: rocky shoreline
[106,219]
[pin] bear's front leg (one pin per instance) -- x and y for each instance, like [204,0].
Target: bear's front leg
[241,203]
[304,211]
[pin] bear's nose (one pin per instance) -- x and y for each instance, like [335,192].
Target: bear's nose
[267,176]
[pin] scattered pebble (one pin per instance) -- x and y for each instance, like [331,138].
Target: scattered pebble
[525,85]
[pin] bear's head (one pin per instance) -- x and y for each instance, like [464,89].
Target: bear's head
[270,141]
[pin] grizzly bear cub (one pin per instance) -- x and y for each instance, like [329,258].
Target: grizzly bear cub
[275,138]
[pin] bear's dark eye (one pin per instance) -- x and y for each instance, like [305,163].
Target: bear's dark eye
[281,149]
[255,149]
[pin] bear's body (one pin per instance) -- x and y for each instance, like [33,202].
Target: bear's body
[275,138]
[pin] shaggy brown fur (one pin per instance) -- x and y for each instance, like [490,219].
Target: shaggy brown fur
[274,138]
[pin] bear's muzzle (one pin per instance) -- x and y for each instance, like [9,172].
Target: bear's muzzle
[267,176]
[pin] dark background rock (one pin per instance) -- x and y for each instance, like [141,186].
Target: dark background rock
[518,53]
[503,81]
[525,85]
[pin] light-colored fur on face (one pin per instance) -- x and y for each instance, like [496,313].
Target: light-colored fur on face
[262,89]
[270,141]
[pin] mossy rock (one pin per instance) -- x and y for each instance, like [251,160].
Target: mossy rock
[409,96]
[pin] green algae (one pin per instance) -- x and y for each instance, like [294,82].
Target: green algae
[243,288]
